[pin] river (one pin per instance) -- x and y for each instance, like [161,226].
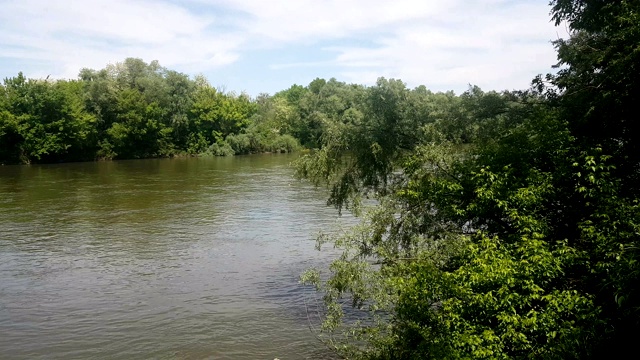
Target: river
[194,258]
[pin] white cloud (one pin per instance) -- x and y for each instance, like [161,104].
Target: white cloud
[73,34]
[441,43]
[286,21]
[498,44]
[495,44]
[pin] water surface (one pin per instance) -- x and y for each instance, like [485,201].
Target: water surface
[176,258]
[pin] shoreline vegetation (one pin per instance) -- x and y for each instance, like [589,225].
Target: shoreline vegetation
[507,224]
[133,110]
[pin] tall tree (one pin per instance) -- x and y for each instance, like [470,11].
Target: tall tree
[523,243]
[599,79]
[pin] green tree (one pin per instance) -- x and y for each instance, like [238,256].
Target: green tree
[524,243]
[216,115]
[598,79]
[45,121]
[450,252]
[138,131]
[598,91]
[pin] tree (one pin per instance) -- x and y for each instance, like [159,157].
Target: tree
[523,243]
[45,121]
[453,243]
[216,115]
[138,131]
[598,81]
[598,92]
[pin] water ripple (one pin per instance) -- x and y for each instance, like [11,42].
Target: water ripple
[184,258]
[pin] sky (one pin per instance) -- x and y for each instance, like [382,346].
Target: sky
[264,46]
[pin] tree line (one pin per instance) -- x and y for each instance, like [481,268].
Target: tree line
[127,110]
[132,109]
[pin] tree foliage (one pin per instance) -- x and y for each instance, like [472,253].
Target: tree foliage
[506,224]
[126,110]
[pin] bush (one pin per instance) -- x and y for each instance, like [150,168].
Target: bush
[240,143]
[285,144]
[220,149]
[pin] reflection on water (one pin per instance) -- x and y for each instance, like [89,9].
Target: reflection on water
[182,258]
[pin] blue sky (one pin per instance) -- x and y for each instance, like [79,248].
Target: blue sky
[267,45]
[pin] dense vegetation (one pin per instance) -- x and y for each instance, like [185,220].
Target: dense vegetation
[507,225]
[132,110]
[137,110]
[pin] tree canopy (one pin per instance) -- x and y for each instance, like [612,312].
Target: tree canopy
[506,224]
[128,110]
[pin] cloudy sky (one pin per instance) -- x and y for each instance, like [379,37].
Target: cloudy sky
[268,45]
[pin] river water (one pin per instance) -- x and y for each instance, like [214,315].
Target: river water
[193,258]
